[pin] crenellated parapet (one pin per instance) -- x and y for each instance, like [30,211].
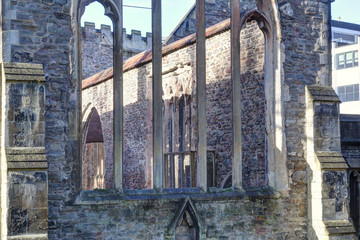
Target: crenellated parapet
[101,40]
[131,42]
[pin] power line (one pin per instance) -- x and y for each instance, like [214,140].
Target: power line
[136,7]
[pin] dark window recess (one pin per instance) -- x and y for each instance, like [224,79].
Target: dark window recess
[346,38]
[348,93]
[354,200]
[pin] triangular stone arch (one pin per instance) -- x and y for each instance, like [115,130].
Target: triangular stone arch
[187,210]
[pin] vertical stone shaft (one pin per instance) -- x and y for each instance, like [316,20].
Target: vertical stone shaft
[157,96]
[118,99]
[236,96]
[201,93]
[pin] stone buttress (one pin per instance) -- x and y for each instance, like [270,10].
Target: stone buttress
[23,160]
[328,196]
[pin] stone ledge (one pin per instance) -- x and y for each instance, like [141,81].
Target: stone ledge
[113,196]
[29,237]
[337,227]
[26,158]
[320,93]
[331,160]
[23,72]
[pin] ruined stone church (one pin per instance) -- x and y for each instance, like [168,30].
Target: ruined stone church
[233,132]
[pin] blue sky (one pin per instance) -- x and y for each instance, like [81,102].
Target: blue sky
[347,10]
[140,19]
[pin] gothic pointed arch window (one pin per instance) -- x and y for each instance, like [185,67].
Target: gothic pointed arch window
[261,84]
[93,163]
[102,39]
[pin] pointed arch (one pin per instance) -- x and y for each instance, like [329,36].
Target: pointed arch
[113,9]
[93,157]
[187,210]
[267,16]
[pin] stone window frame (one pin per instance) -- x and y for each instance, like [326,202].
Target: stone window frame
[276,155]
[77,116]
[267,15]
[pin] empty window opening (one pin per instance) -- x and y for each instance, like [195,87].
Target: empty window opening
[96,41]
[179,113]
[93,165]
[179,157]
[97,44]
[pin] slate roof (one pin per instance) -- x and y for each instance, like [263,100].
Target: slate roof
[146,56]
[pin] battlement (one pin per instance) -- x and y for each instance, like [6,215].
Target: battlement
[97,47]
[133,42]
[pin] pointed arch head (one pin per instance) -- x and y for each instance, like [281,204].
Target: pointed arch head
[94,131]
[187,206]
[260,17]
[355,174]
[87,116]
[111,9]
[267,16]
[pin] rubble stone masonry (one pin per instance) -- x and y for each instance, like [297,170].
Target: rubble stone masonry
[274,203]
[97,47]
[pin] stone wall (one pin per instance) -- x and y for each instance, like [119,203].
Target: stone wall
[231,218]
[97,47]
[215,11]
[178,83]
[42,32]
[24,153]
[307,61]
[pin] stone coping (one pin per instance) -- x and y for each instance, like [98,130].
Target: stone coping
[339,227]
[20,72]
[26,158]
[113,196]
[331,160]
[321,93]
[29,237]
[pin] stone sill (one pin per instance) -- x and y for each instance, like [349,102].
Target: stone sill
[112,196]
[29,237]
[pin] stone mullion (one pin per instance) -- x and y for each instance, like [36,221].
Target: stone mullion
[236,95]
[201,94]
[157,96]
[118,102]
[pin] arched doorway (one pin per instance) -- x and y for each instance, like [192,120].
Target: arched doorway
[93,165]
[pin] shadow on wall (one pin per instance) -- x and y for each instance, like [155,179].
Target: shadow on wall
[93,165]
[181,132]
